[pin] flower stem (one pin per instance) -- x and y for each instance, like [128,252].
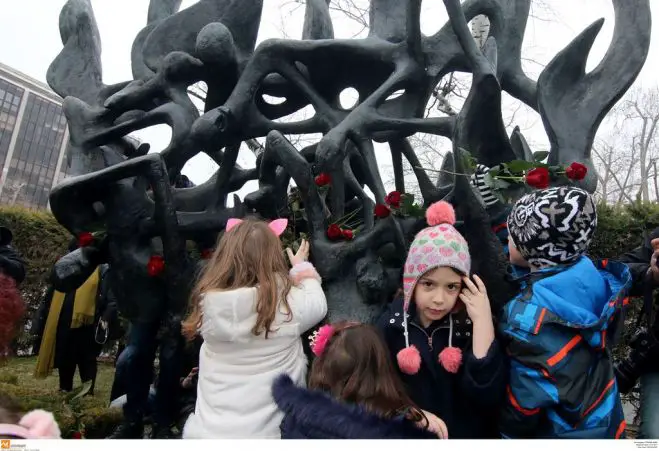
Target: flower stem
[439,171]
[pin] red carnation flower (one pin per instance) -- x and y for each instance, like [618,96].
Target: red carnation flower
[576,171]
[382,211]
[538,178]
[334,232]
[323,179]
[85,239]
[206,254]
[156,265]
[77,435]
[348,234]
[393,199]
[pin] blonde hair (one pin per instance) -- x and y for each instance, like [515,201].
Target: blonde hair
[249,255]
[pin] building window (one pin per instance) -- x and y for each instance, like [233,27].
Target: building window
[40,136]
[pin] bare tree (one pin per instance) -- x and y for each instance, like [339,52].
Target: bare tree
[13,191]
[626,156]
[642,109]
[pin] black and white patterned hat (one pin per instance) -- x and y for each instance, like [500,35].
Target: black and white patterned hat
[477,180]
[553,226]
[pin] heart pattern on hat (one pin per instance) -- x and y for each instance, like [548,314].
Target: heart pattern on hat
[434,247]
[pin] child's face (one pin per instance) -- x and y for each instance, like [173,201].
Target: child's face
[436,293]
[515,257]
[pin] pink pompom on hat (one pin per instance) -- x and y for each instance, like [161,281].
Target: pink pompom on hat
[433,247]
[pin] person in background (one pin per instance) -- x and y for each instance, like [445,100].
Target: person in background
[12,307]
[67,327]
[11,263]
[643,360]
[497,211]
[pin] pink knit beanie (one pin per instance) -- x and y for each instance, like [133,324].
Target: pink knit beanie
[436,246]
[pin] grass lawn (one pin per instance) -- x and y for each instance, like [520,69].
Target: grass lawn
[17,380]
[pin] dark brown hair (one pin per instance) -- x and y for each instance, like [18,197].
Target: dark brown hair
[355,367]
[249,255]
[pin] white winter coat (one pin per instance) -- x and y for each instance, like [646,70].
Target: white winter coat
[237,368]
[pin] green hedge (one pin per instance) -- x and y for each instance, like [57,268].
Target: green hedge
[621,229]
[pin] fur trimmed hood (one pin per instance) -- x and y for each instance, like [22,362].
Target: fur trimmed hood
[312,414]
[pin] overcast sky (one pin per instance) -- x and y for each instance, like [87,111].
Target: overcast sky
[31,40]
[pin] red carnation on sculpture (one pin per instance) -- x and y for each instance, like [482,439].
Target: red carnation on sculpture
[348,234]
[156,265]
[382,211]
[323,179]
[538,178]
[334,232]
[576,171]
[85,239]
[393,199]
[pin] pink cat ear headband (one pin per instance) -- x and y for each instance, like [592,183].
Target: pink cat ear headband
[34,425]
[277,226]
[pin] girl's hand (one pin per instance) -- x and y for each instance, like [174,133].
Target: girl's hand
[187,382]
[302,254]
[436,425]
[475,299]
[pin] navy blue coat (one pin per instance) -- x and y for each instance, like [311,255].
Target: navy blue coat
[468,401]
[310,414]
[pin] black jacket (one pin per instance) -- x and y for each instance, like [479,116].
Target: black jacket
[11,263]
[106,309]
[638,262]
[312,414]
[468,401]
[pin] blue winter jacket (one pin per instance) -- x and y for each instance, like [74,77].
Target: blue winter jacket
[558,333]
[310,414]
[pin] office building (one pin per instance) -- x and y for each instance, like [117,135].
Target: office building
[33,140]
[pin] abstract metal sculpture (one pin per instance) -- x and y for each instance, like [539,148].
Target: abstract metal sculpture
[128,193]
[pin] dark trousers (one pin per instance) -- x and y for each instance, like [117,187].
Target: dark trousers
[134,373]
[79,350]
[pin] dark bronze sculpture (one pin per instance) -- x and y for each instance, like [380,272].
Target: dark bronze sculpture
[127,192]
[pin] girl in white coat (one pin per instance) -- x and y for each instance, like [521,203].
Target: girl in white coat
[250,311]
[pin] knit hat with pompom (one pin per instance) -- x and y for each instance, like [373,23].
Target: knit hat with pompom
[433,247]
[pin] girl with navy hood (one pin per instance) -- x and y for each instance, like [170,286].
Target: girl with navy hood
[559,330]
[442,333]
[354,392]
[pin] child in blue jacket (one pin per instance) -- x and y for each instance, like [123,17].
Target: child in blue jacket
[558,330]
